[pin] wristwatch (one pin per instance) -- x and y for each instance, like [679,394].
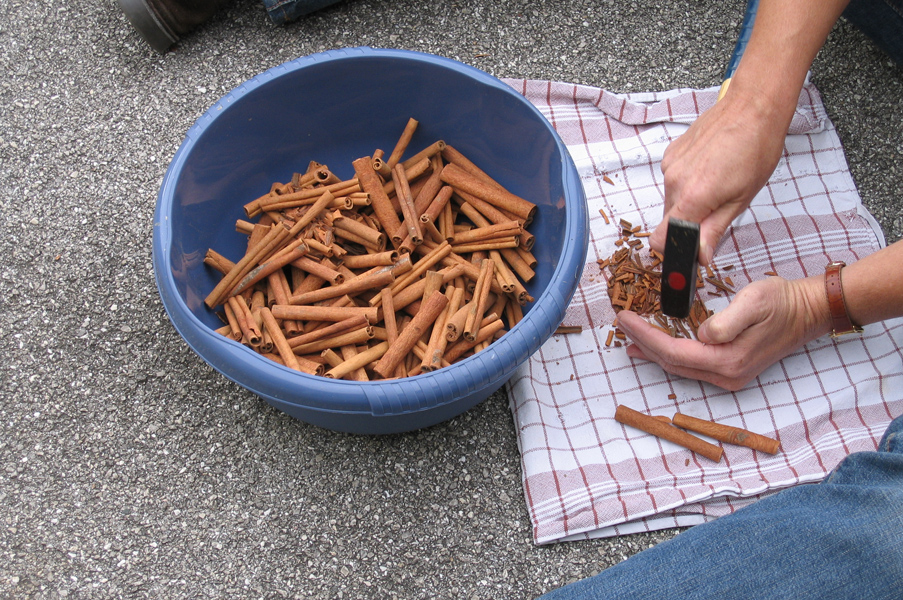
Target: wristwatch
[840,318]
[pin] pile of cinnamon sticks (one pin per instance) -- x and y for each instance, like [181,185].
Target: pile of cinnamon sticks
[403,269]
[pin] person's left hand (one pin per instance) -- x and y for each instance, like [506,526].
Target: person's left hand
[765,322]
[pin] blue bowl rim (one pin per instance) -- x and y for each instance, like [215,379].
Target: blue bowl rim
[379,398]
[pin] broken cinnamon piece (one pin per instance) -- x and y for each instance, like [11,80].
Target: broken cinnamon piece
[720,285]
[565,329]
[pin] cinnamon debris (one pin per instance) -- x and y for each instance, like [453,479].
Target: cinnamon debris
[604,216]
[634,283]
[566,329]
[405,268]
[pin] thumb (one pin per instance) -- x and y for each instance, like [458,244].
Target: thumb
[711,229]
[657,238]
[725,326]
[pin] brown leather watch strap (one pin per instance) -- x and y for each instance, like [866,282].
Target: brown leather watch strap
[840,318]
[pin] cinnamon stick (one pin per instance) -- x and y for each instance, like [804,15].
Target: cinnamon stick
[491,325]
[727,433]
[279,341]
[320,269]
[366,261]
[376,280]
[432,358]
[427,153]
[371,183]
[427,315]
[478,304]
[434,209]
[488,232]
[391,324]
[653,426]
[502,199]
[339,327]
[375,238]
[356,336]
[241,268]
[250,331]
[403,193]
[234,331]
[402,143]
[358,361]
[265,269]
[218,261]
[304,197]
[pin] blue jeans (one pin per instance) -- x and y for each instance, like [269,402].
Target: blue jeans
[840,539]
[881,20]
[284,11]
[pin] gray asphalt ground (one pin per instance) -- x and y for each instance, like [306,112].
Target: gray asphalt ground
[128,467]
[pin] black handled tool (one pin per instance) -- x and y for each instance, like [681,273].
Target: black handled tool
[679,268]
[682,244]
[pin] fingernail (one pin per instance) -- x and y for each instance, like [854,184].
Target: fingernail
[706,254]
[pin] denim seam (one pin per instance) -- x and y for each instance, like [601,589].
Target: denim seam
[894,7]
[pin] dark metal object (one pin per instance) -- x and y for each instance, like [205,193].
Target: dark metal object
[679,268]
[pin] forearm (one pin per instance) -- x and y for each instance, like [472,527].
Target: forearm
[873,286]
[786,37]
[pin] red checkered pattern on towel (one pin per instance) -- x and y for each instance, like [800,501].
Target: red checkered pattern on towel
[584,474]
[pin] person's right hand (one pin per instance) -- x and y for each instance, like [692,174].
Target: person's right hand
[713,171]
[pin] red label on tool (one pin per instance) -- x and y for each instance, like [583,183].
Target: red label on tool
[676,281]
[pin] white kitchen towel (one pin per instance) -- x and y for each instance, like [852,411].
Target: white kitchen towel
[584,474]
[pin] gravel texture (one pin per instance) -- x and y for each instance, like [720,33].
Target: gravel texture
[128,467]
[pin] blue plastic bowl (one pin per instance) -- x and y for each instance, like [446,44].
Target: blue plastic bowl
[335,107]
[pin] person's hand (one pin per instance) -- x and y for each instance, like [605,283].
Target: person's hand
[766,321]
[713,171]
